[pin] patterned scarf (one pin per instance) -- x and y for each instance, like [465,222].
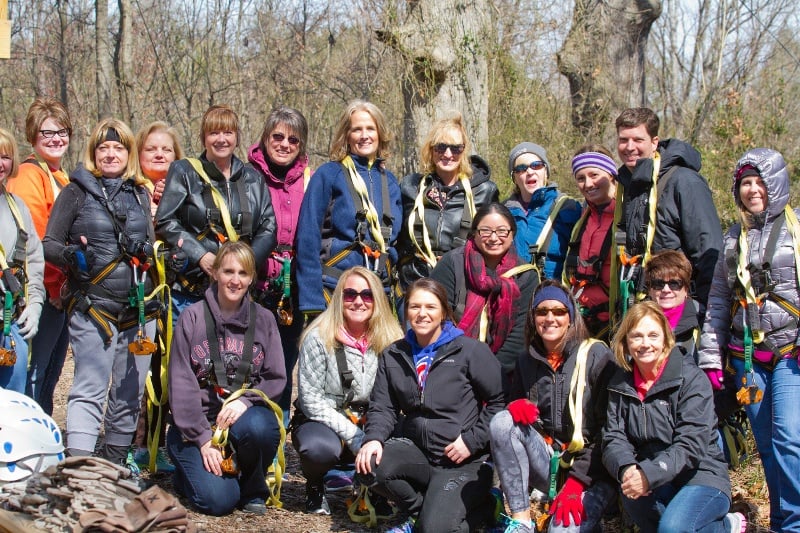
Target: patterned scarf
[423,355]
[502,295]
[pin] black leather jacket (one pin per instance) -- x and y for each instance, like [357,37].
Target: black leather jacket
[184,214]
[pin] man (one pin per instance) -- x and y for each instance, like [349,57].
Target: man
[685,216]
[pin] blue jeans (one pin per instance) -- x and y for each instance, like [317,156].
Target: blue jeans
[48,352]
[289,337]
[691,508]
[181,301]
[14,377]
[776,428]
[255,437]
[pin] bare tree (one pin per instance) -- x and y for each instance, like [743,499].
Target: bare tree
[123,59]
[104,72]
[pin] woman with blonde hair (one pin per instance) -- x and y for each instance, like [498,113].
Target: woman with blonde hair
[338,362]
[100,231]
[159,145]
[355,202]
[22,265]
[440,201]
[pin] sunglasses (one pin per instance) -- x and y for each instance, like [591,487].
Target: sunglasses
[279,137]
[350,295]
[441,148]
[49,134]
[487,232]
[533,165]
[673,284]
[557,311]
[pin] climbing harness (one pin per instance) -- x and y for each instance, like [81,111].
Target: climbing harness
[13,283]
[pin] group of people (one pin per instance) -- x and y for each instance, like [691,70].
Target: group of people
[441,335]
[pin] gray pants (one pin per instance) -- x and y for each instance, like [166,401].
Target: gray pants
[522,458]
[97,364]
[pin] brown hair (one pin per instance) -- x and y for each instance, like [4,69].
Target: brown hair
[669,264]
[635,116]
[219,118]
[576,333]
[437,289]
[42,108]
[293,119]
[593,147]
[339,146]
[619,344]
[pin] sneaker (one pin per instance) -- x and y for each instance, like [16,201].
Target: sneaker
[256,507]
[338,481]
[737,522]
[130,464]
[515,526]
[316,503]
[405,527]
[163,464]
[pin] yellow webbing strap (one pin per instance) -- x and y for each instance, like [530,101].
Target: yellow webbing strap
[484,323]
[219,201]
[548,224]
[577,385]
[306,177]
[361,510]
[371,213]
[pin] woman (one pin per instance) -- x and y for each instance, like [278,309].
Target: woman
[211,200]
[485,277]
[448,387]
[356,203]
[100,232]
[544,216]
[587,268]
[22,265]
[338,361]
[541,417]
[440,202]
[759,266]
[41,177]
[159,145]
[206,365]
[660,439]
[281,158]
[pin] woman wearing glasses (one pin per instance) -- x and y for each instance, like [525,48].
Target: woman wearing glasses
[338,361]
[487,285]
[448,386]
[544,216]
[41,177]
[440,202]
[560,366]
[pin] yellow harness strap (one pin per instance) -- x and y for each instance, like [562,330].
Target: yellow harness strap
[371,213]
[484,323]
[577,385]
[219,200]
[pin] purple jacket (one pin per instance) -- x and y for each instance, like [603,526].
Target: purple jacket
[287,195]
[194,407]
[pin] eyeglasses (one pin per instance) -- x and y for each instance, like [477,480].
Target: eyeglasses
[350,295]
[279,137]
[487,232]
[557,311]
[441,148]
[49,134]
[533,165]
[673,284]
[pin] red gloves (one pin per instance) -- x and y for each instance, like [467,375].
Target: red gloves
[523,411]
[568,502]
[715,377]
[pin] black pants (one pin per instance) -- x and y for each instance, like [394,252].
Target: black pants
[444,498]
[320,449]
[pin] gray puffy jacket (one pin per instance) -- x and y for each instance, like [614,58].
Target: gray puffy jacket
[780,327]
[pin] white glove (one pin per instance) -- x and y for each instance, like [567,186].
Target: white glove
[28,320]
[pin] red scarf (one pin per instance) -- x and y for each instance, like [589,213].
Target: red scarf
[500,293]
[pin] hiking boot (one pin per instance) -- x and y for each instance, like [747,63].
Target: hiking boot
[256,506]
[131,464]
[316,503]
[163,464]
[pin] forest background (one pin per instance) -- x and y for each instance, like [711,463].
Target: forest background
[721,74]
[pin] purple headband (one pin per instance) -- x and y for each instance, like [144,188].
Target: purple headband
[594,159]
[554,292]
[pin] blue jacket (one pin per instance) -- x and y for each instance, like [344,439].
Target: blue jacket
[327,225]
[531,219]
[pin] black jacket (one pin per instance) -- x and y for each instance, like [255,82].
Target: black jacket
[462,394]
[183,214]
[535,380]
[80,211]
[671,435]
[686,218]
[444,223]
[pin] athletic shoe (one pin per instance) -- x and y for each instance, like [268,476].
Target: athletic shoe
[338,481]
[316,503]
[256,507]
[737,522]
[515,526]
[498,508]
[130,464]
[405,527]
[163,464]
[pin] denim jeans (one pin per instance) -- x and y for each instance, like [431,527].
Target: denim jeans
[48,352]
[255,437]
[181,301]
[776,427]
[14,377]
[691,508]
[291,348]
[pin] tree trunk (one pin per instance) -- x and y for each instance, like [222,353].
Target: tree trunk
[603,58]
[123,64]
[444,44]
[104,71]
[62,51]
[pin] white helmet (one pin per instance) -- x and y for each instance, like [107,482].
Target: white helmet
[30,440]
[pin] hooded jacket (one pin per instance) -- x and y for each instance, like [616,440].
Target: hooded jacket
[720,329]
[34,257]
[535,380]
[183,214]
[531,219]
[443,221]
[195,407]
[462,394]
[686,218]
[671,434]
